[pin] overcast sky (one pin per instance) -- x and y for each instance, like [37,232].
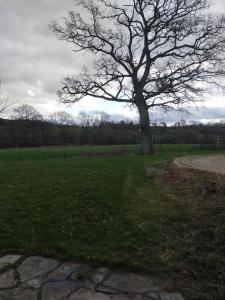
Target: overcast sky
[33,61]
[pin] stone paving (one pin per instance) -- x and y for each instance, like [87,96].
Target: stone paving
[38,278]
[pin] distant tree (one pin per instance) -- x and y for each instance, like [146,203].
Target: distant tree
[163,124]
[155,123]
[183,122]
[4,103]
[147,53]
[26,112]
[92,118]
[101,117]
[177,124]
[61,118]
[194,123]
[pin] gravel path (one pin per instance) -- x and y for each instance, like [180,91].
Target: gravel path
[212,163]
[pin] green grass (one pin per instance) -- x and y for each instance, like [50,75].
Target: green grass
[37,153]
[115,210]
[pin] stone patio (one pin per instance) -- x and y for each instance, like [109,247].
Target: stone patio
[38,278]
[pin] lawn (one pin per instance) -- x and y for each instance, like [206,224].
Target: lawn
[128,211]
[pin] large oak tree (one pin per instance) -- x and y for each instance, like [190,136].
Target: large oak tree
[147,53]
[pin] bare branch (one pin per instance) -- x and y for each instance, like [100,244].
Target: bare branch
[5,103]
[147,52]
[26,112]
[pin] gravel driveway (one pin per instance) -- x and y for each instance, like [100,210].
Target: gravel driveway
[212,163]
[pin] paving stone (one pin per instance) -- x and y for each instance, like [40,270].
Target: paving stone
[64,271]
[170,296]
[8,260]
[35,282]
[130,282]
[84,294]
[105,289]
[86,269]
[141,297]
[153,296]
[18,294]
[82,277]
[36,267]
[7,279]
[58,290]
[99,275]
[83,282]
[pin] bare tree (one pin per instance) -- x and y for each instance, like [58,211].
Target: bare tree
[4,103]
[61,118]
[148,53]
[26,112]
[92,118]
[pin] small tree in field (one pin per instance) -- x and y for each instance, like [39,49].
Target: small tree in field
[148,53]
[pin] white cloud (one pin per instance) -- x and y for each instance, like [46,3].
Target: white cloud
[30,93]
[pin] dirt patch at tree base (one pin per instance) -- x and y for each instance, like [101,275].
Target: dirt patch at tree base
[211,163]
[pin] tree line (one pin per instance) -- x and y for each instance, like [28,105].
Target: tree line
[28,128]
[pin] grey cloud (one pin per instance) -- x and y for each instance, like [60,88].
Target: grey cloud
[30,52]
[200,114]
[219,5]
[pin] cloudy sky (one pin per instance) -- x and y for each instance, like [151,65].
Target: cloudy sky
[33,62]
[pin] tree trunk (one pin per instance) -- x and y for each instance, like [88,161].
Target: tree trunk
[146,143]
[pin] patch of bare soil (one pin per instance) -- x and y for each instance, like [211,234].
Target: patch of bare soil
[211,163]
[196,244]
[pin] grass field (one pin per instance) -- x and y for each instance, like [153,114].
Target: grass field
[129,210]
[38,153]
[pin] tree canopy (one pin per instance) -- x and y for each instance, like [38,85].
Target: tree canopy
[26,112]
